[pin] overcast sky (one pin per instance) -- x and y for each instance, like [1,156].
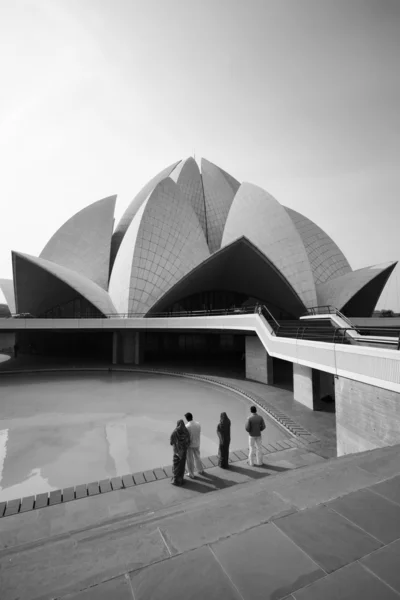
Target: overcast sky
[300,97]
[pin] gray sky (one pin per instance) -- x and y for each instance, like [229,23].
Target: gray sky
[300,97]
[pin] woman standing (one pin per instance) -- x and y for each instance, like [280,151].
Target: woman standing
[224,434]
[180,440]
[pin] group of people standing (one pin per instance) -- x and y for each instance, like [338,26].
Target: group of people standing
[185,440]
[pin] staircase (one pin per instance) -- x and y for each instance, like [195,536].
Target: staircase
[318,330]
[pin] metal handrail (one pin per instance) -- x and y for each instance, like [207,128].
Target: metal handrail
[314,310]
[339,334]
[270,317]
[328,309]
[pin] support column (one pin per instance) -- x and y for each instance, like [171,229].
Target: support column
[7,341]
[128,348]
[138,341]
[259,364]
[115,344]
[303,389]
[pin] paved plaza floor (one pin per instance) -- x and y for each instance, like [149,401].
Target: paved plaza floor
[329,529]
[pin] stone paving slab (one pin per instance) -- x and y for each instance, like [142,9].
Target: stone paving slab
[93,488]
[264,564]
[242,455]
[168,471]
[374,514]
[330,540]
[207,464]
[389,489]
[128,481]
[197,575]
[12,507]
[384,563]
[149,475]
[68,494]
[105,486]
[116,483]
[118,588]
[81,491]
[139,478]
[41,500]
[27,504]
[160,473]
[348,583]
[55,497]
[210,523]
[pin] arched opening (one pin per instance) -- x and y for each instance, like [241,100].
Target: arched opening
[237,275]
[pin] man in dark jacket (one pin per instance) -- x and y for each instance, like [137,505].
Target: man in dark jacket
[254,426]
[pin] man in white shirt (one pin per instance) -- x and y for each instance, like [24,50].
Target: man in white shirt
[193,453]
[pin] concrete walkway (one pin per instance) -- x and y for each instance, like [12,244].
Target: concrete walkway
[327,530]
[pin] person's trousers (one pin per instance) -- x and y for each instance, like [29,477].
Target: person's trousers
[255,444]
[193,458]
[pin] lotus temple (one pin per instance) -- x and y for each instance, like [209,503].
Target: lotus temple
[190,240]
[207,296]
[203,268]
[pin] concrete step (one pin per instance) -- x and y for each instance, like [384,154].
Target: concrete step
[54,566]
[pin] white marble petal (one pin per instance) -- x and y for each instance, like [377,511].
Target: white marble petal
[83,243]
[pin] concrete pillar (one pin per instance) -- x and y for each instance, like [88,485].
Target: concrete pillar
[138,341]
[115,345]
[7,341]
[303,389]
[367,417]
[259,364]
[128,348]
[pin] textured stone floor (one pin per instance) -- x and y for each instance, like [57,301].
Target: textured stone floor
[326,530]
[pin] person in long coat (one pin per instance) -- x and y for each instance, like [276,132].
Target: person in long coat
[224,435]
[180,440]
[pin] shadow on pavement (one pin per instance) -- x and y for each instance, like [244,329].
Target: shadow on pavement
[275,468]
[248,472]
[219,482]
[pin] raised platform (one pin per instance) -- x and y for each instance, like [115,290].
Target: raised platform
[327,530]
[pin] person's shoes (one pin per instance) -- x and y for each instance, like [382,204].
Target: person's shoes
[201,472]
[258,464]
[249,463]
[190,476]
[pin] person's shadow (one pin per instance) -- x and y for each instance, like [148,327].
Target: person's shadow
[199,484]
[259,474]
[207,483]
